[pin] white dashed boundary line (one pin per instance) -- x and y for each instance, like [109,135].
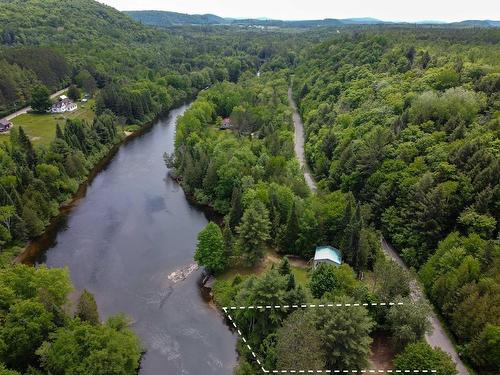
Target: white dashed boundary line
[305,305]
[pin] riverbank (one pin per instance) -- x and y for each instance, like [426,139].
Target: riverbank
[35,247]
[130,242]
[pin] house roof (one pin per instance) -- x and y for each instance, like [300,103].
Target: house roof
[61,103]
[328,253]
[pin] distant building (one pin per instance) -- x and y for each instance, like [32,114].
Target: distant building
[63,105]
[5,125]
[226,124]
[327,254]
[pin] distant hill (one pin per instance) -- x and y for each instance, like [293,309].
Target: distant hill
[476,23]
[168,19]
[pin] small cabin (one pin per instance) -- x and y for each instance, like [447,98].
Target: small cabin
[226,124]
[327,254]
[5,125]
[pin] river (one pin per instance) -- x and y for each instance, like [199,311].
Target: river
[133,228]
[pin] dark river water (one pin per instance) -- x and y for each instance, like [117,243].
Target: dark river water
[133,229]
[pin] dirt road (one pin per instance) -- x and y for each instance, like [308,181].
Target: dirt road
[438,337]
[22,111]
[299,142]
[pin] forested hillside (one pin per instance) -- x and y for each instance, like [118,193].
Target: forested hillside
[409,123]
[135,73]
[140,73]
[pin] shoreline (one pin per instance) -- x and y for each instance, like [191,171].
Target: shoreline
[35,247]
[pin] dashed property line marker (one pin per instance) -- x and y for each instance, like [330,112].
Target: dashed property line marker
[304,305]
[268,307]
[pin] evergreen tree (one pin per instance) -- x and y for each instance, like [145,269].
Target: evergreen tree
[27,146]
[345,335]
[291,232]
[227,235]
[236,209]
[346,222]
[253,231]
[284,268]
[354,249]
[291,282]
[86,309]
[59,132]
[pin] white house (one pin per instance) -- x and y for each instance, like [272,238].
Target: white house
[327,254]
[63,105]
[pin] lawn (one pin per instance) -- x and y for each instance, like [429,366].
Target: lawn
[41,128]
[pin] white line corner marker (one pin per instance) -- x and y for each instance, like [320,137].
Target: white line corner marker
[305,305]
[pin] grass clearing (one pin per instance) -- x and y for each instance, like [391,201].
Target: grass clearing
[271,257]
[41,128]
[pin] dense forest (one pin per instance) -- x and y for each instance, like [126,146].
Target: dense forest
[234,151]
[402,136]
[409,123]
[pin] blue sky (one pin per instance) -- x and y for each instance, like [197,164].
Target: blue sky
[390,10]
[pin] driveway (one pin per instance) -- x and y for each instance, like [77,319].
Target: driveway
[22,111]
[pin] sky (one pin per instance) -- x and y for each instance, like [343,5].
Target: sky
[387,10]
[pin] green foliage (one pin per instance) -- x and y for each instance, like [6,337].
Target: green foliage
[461,278]
[485,348]
[86,309]
[299,344]
[74,93]
[345,335]
[82,348]
[4,371]
[403,121]
[337,280]
[391,280]
[26,326]
[40,99]
[408,323]
[210,249]
[253,232]
[421,356]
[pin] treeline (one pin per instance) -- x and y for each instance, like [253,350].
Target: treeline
[34,182]
[24,68]
[409,123]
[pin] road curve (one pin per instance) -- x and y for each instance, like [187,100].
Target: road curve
[299,142]
[438,337]
[24,110]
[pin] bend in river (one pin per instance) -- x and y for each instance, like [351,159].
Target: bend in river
[133,229]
